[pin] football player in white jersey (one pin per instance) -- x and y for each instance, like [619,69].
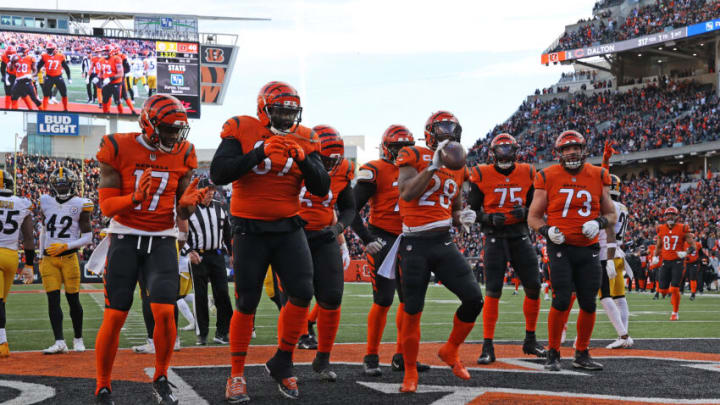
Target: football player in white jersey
[66,228]
[137,72]
[612,290]
[16,216]
[150,63]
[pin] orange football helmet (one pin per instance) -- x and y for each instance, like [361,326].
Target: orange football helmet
[278,107]
[571,161]
[503,150]
[440,126]
[163,120]
[332,146]
[50,48]
[395,138]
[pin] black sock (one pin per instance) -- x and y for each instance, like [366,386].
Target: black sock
[76,313]
[148,316]
[55,312]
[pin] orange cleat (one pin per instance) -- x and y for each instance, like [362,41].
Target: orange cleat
[674,316]
[410,381]
[449,355]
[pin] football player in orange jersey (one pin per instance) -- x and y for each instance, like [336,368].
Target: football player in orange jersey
[377,185]
[500,194]
[267,159]
[671,239]
[322,231]
[110,80]
[54,63]
[144,181]
[24,88]
[575,196]
[430,203]
[694,274]
[653,272]
[8,73]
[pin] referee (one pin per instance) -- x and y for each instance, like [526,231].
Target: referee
[209,238]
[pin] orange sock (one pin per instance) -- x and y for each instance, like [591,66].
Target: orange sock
[106,345]
[377,317]
[120,108]
[65,103]
[566,316]
[531,309]
[14,104]
[163,336]
[294,318]
[411,339]
[328,321]
[129,104]
[556,323]
[460,331]
[398,324]
[106,107]
[585,325]
[516,281]
[490,316]
[693,286]
[8,101]
[313,315]
[675,298]
[240,334]
[642,284]
[45,103]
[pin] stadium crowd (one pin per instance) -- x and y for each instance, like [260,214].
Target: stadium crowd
[641,21]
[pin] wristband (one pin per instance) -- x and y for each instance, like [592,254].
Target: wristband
[544,230]
[602,221]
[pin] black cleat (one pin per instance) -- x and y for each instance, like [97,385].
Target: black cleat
[371,365]
[281,371]
[398,364]
[307,342]
[201,341]
[692,297]
[533,348]
[583,360]
[321,365]
[552,361]
[162,391]
[657,296]
[488,353]
[104,397]
[221,339]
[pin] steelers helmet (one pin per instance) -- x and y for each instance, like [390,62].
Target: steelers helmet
[615,187]
[8,184]
[62,182]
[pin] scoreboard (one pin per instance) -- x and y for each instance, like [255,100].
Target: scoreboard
[178,71]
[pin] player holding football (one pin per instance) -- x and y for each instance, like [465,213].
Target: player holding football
[671,239]
[267,159]
[377,184]
[16,213]
[322,233]
[24,88]
[575,197]
[66,228]
[8,73]
[54,62]
[500,194]
[144,181]
[430,203]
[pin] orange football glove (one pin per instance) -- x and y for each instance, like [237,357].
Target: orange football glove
[192,196]
[143,189]
[275,145]
[295,151]
[56,249]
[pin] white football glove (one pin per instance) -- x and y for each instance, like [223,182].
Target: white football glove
[106,81]
[436,161]
[591,229]
[95,80]
[69,81]
[682,254]
[556,236]
[375,246]
[7,81]
[467,218]
[655,260]
[610,269]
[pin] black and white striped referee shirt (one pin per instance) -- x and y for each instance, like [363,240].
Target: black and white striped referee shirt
[209,228]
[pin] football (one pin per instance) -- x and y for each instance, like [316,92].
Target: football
[453,156]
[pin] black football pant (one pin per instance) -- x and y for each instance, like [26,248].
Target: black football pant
[328,274]
[150,260]
[383,288]
[109,91]
[521,255]
[22,88]
[694,274]
[211,269]
[288,254]
[671,273]
[437,253]
[56,81]
[575,268]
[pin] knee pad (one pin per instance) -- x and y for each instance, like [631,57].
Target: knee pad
[330,300]
[247,302]
[382,297]
[588,304]
[561,302]
[532,293]
[470,309]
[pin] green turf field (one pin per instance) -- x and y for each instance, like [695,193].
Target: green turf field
[28,327]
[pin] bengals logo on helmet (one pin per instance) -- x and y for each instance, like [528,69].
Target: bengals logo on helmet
[214,55]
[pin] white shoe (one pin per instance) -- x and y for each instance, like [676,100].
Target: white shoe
[58,347]
[147,348]
[78,345]
[177,344]
[628,343]
[254,335]
[617,344]
[189,327]
[564,336]
[53,100]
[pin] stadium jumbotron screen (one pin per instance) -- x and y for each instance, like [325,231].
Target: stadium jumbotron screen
[95,75]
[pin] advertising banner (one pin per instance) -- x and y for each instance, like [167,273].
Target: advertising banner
[58,124]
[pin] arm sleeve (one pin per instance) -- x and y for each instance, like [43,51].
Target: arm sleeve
[67,68]
[476,198]
[3,69]
[227,235]
[230,164]
[363,191]
[84,239]
[529,197]
[40,64]
[346,206]
[316,177]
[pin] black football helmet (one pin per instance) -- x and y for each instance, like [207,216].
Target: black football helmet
[62,183]
[8,184]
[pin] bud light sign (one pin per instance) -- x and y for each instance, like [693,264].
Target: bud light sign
[58,124]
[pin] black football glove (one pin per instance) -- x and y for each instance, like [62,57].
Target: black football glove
[496,219]
[332,231]
[520,212]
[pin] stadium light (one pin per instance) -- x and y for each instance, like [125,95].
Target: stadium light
[701,44]
[694,54]
[660,48]
[639,54]
[674,49]
[643,160]
[659,60]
